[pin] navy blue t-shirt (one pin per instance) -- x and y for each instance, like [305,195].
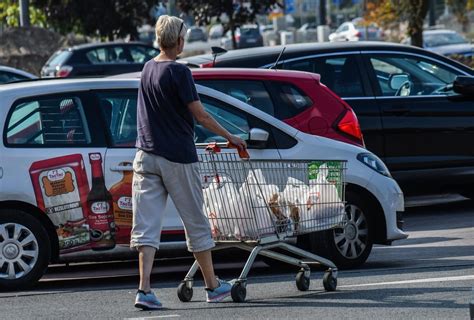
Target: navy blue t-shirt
[164,123]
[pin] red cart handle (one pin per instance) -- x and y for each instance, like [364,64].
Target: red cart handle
[243,153]
[214,147]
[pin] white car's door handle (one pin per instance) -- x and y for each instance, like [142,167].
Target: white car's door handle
[121,168]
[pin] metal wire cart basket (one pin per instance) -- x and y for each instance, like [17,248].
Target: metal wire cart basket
[257,205]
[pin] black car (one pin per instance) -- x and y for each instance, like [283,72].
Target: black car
[403,97]
[98,59]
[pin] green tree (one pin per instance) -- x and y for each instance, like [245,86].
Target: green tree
[108,19]
[237,13]
[10,14]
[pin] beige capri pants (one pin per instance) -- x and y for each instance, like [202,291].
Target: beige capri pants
[154,178]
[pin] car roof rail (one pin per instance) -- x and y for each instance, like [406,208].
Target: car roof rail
[53,78]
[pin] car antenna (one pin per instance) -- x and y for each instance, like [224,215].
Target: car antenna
[278,59]
[217,51]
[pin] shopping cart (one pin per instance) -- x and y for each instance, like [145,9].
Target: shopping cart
[258,205]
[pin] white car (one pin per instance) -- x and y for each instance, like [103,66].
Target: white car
[68,143]
[216,31]
[354,31]
[8,74]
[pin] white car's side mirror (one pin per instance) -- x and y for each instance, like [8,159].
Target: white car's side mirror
[258,135]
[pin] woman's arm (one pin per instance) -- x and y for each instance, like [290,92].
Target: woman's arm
[208,122]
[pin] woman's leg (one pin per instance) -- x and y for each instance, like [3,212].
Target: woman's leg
[185,189]
[149,197]
[146,256]
[204,259]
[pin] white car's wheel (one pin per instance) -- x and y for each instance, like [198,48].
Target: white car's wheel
[24,249]
[349,246]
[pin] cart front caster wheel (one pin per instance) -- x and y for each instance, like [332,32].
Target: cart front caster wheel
[185,293]
[302,281]
[329,281]
[238,292]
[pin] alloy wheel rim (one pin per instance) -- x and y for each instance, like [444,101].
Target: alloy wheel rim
[18,251]
[351,239]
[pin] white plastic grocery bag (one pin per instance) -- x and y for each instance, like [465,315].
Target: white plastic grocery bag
[221,199]
[255,194]
[294,199]
[328,211]
[310,211]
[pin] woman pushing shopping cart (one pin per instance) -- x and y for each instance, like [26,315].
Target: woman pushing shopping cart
[257,205]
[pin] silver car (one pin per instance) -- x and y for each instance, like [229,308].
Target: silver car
[8,74]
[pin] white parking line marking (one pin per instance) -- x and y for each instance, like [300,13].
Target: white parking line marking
[156,317]
[427,280]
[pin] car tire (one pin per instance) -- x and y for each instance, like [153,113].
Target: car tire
[350,245]
[25,249]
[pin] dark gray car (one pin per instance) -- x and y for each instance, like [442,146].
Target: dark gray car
[98,59]
[245,37]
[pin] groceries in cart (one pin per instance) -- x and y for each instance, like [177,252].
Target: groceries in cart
[324,201]
[254,206]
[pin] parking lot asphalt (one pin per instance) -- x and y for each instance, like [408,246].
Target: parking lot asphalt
[430,275]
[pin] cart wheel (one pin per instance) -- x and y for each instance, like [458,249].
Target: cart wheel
[329,281]
[185,293]
[238,292]
[302,281]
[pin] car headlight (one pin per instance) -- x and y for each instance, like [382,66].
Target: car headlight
[374,163]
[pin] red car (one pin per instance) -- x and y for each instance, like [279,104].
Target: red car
[295,97]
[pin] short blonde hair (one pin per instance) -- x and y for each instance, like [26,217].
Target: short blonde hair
[167,31]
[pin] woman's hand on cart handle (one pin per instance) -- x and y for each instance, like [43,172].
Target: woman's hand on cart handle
[239,144]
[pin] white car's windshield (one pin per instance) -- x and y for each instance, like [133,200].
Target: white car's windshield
[443,39]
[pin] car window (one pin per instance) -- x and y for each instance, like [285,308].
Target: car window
[290,100]
[58,58]
[233,120]
[341,74]
[97,56]
[249,31]
[48,121]
[421,77]
[341,27]
[118,55]
[120,112]
[109,55]
[6,77]
[251,92]
[442,39]
[142,54]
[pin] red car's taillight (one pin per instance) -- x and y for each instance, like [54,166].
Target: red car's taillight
[63,71]
[350,125]
[207,65]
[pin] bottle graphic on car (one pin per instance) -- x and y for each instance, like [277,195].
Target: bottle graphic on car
[100,210]
[122,206]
